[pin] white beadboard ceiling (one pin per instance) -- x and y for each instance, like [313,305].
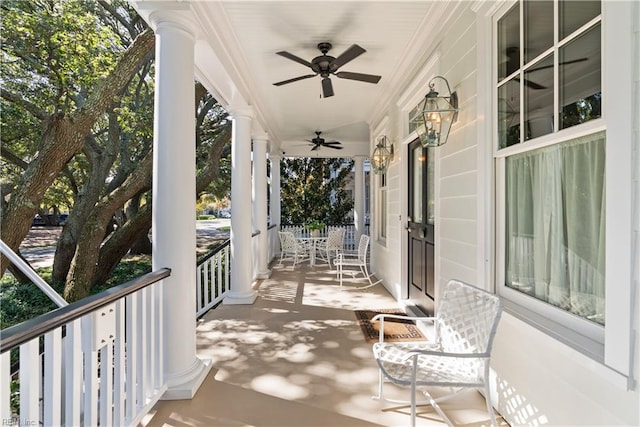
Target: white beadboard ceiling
[236,59]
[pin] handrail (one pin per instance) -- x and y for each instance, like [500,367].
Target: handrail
[26,331]
[213,252]
[32,275]
[272,226]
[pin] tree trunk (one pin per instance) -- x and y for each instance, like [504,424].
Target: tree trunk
[84,265]
[122,239]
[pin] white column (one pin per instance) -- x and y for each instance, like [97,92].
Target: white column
[260,203]
[275,188]
[358,194]
[174,229]
[241,291]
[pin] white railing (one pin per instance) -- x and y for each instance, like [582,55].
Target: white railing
[213,278]
[97,361]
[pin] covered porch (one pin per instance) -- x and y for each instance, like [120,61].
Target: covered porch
[297,357]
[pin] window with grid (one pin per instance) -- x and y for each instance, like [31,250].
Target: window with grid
[550,161]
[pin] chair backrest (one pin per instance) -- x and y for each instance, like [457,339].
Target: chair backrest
[467,318]
[363,245]
[287,240]
[335,239]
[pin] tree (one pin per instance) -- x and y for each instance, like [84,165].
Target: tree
[313,188]
[88,82]
[53,52]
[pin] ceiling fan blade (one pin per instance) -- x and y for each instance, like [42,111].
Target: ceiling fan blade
[369,78]
[315,147]
[294,58]
[335,147]
[532,85]
[351,53]
[295,79]
[331,142]
[573,61]
[327,87]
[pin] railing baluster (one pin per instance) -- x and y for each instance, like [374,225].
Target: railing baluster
[5,392]
[53,377]
[199,299]
[106,385]
[132,355]
[73,373]
[90,388]
[119,356]
[30,381]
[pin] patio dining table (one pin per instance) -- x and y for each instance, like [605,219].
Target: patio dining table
[312,243]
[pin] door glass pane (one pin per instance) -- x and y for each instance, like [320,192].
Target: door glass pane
[418,166]
[538,96]
[509,43]
[431,208]
[580,79]
[574,14]
[538,28]
[509,114]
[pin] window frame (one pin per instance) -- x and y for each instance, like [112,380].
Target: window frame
[611,344]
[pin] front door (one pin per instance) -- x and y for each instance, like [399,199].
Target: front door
[421,228]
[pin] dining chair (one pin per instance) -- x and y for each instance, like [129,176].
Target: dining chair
[355,260]
[333,245]
[291,248]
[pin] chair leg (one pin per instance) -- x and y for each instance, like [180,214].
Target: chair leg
[487,398]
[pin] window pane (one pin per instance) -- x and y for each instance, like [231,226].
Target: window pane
[538,28]
[418,161]
[538,96]
[580,79]
[555,226]
[431,168]
[509,114]
[509,43]
[574,14]
[383,213]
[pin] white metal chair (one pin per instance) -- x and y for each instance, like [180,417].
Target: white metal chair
[333,245]
[465,326]
[359,260]
[291,248]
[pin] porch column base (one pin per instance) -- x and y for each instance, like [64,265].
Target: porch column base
[264,274]
[186,384]
[240,297]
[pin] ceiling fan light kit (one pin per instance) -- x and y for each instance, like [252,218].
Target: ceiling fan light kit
[438,113]
[326,65]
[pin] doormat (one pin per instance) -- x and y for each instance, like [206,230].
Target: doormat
[395,330]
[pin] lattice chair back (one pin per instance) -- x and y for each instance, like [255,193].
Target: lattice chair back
[287,241]
[467,318]
[335,239]
[363,245]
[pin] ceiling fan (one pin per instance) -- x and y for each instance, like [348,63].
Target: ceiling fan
[318,142]
[325,65]
[513,64]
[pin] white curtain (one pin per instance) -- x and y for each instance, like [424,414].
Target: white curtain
[556,225]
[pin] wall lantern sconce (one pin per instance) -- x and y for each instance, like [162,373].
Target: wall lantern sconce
[433,121]
[382,155]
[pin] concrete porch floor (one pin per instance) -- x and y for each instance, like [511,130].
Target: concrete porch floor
[297,357]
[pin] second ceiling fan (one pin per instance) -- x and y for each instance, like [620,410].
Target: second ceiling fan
[325,65]
[318,142]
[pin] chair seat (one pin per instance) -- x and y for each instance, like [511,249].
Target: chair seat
[432,370]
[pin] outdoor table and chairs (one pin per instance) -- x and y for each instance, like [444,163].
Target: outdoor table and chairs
[303,246]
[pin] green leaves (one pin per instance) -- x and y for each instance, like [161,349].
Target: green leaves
[313,189]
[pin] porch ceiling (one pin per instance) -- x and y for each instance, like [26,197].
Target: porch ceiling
[236,59]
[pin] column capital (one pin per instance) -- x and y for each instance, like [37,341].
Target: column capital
[173,20]
[260,137]
[241,112]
